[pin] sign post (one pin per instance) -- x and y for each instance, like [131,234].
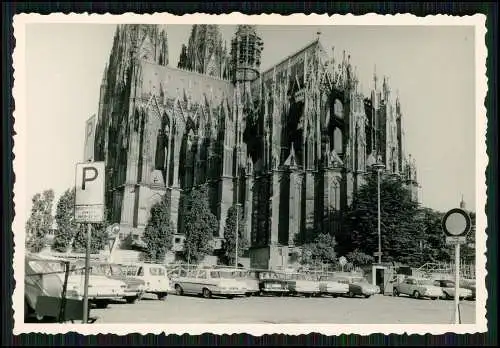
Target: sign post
[89,209]
[456,224]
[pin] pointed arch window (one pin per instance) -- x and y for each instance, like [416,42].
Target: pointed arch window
[338,109]
[337,140]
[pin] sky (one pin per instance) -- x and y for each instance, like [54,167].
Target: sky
[432,69]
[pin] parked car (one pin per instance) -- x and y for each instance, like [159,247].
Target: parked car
[209,282]
[101,291]
[303,284]
[154,276]
[358,286]
[270,282]
[251,280]
[418,288]
[330,286]
[45,279]
[135,287]
[469,284]
[448,288]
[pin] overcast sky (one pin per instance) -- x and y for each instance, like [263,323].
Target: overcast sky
[432,68]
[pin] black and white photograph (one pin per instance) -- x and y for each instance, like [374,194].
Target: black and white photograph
[259,174]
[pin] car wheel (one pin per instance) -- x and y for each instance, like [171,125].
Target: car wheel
[248,294]
[368,296]
[350,294]
[162,296]
[178,290]
[230,297]
[335,295]
[132,299]
[416,294]
[207,293]
[395,292]
[434,298]
[102,304]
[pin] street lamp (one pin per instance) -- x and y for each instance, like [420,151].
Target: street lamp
[378,166]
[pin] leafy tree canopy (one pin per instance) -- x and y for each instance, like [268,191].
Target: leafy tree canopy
[40,221]
[159,231]
[200,225]
[229,245]
[65,218]
[321,249]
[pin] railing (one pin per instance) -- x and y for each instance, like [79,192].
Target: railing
[466,270]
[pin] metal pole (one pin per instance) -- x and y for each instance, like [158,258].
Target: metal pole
[379,235]
[457,282]
[87,271]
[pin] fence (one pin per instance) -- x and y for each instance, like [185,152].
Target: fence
[467,271]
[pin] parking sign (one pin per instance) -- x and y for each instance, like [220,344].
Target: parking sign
[89,195]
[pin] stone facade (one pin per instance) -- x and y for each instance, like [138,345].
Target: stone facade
[291,144]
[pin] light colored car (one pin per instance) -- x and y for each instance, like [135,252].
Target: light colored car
[329,286]
[266,282]
[448,288]
[101,291]
[154,276]
[358,286]
[303,284]
[45,279]
[418,288]
[135,287]
[469,284]
[209,282]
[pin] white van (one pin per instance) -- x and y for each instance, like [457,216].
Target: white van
[154,276]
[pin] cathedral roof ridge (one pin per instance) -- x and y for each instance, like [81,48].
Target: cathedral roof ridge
[316,41]
[197,74]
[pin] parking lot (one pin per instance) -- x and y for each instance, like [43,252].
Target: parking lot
[378,309]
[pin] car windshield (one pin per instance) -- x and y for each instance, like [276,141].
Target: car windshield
[425,282]
[46,267]
[116,270]
[448,283]
[268,275]
[359,280]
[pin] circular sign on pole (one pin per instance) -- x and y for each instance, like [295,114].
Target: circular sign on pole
[456,222]
[342,261]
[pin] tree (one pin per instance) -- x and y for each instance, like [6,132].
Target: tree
[401,232]
[99,236]
[159,231]
[200,225]
[229,245]
[434,248]
[65,218]
[322,249]
[359,258]
[40,221]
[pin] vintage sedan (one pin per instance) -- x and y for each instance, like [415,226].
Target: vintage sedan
[469,284]
[418,288]
[448,288]
[358,286]
[101,291]
[271,283]
[209,282]
[135,287]
[303,284]
[330,286]
[44,292]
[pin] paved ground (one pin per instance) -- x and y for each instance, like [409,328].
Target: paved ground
[378,309]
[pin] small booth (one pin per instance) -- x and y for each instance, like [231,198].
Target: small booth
[385,276]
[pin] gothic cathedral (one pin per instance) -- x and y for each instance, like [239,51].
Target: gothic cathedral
[291,144]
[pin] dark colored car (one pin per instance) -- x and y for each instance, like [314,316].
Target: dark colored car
[271,282]
[135,287]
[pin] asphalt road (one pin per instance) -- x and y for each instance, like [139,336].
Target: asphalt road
[378,309]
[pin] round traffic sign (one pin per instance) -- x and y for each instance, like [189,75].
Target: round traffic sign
[456,222]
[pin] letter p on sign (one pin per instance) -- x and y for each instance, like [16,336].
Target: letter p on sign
[89,195]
